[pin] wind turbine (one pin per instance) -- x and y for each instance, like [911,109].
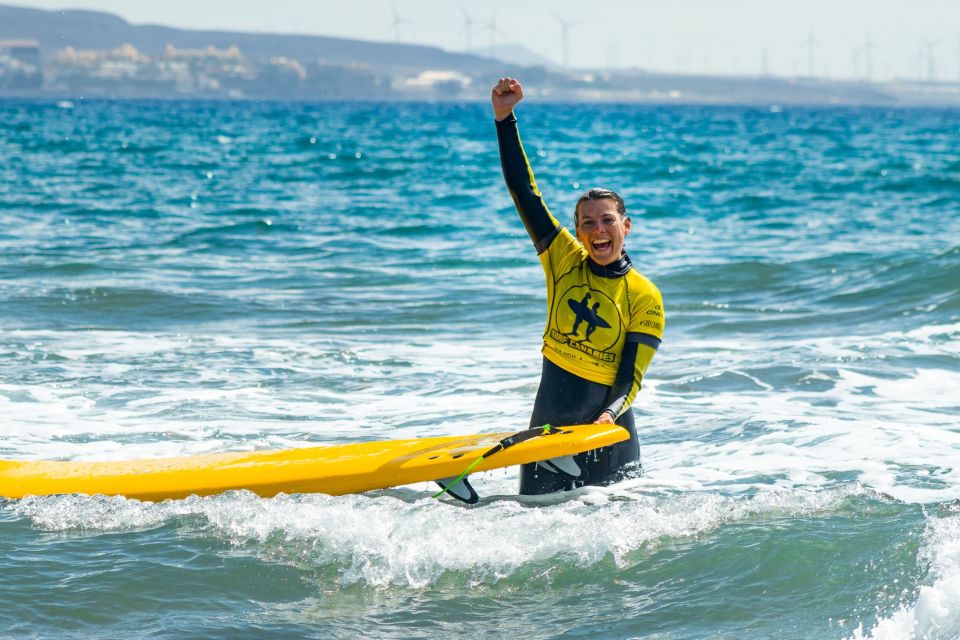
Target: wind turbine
[811,44]
[565,26]
[868,47]
[855,53]
[468,25]
[396,23]
[958,59]
[613,57]
[928,46]
[492,28]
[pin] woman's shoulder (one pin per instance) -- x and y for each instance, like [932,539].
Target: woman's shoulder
[641,283]
[646,304]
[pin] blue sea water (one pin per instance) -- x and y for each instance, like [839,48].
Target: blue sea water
[189,277]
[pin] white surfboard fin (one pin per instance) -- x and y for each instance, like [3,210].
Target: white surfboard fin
[564,465]
[460,489]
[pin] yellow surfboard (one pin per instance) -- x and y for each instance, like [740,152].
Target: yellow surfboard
[335,470]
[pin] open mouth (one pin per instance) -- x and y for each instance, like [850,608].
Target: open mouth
[601,245]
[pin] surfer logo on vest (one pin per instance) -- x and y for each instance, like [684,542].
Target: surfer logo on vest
[592,318]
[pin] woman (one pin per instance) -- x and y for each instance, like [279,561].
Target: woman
[604,322]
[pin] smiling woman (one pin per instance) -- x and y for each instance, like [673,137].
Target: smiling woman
[604,319]
[600,217]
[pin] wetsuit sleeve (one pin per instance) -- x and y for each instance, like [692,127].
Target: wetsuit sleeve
[638,352]
[539,222]
[642,341]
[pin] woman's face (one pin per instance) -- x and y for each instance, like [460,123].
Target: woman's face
[602,229]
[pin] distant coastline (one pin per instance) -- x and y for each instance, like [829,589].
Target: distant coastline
[87,54]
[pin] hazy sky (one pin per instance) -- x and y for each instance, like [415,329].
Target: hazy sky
[909,38]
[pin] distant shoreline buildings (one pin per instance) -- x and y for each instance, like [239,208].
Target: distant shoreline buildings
[20,65]
[225,72]
[210,72]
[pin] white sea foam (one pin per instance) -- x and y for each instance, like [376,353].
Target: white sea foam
[169,394]
[935,613]
[385,541]
[203,393]
[893,429]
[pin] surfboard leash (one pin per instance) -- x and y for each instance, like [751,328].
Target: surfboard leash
[506,443]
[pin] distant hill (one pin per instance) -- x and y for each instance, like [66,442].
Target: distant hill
[95,30]
[516,54]
[299,67]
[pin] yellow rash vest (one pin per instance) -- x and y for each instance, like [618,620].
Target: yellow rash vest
[604,323]
[591,317]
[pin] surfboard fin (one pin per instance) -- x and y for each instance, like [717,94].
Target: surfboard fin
[461,489]
[564,465]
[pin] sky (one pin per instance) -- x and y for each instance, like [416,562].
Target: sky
[853,39]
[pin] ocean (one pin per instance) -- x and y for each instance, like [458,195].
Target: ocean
[190,277]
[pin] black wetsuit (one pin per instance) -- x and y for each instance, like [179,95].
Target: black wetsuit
[604,324]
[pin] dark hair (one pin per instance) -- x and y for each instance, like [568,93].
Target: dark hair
[598,194]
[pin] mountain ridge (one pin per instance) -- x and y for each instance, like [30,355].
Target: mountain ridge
[96,30]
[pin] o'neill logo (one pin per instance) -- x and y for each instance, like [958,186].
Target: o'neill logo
[586,320]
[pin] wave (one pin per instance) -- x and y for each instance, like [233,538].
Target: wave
[120,307]
[924,185]
[399,538]
[931,612]
[225,234]
[817,295]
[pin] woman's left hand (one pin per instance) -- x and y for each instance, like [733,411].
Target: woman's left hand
[605,418]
